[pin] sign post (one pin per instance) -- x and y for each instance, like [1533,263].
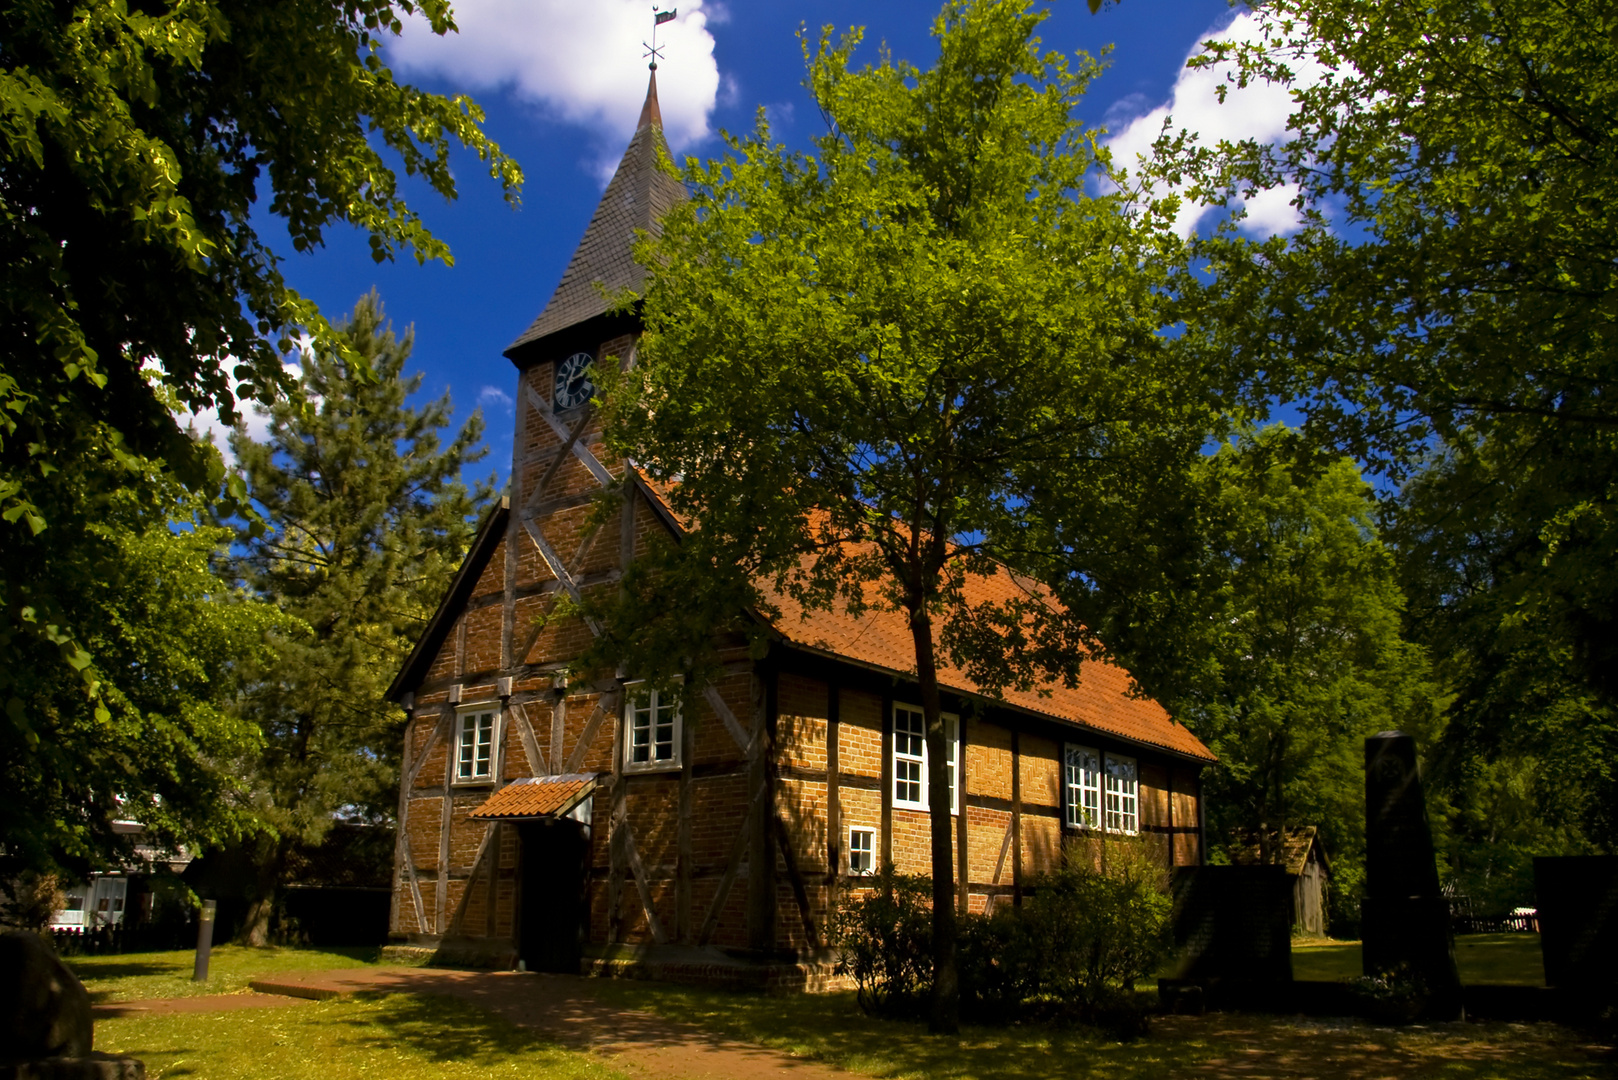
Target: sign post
[204,940]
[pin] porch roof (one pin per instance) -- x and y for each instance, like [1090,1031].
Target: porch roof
[535,797]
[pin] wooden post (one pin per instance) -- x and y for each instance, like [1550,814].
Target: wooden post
[1169,770]
[684,866]
[761,848]
[1016,817]
[834,807]
[615,842]
[887,780]
[445,820]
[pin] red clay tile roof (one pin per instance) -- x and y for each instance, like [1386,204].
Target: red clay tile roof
[536,797]
[881,639]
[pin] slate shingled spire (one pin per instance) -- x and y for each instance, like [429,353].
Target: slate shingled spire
[636,197]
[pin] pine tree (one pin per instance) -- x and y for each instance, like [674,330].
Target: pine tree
[367,519]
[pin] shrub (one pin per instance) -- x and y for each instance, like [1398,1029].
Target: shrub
[1100,931]
[884,939]
[1074,949]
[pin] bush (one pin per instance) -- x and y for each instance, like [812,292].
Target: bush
[1100,931]
[885,941]
[1073,950]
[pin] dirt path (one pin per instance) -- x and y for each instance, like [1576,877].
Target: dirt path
[641,1043]
[195,1003]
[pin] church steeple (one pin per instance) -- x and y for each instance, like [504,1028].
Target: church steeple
[637,197]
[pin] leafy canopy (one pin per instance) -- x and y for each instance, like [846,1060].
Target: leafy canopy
[365,519]
[876,373]
[142,145]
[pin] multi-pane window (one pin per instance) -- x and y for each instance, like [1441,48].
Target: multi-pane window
[910,757]
[1122,796]
[861,852]
[654,730]
[1082,773]
[474,754]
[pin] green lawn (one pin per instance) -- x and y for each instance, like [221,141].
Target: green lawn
[394,1036]
[831,1028]
[1509,959]
[133,976]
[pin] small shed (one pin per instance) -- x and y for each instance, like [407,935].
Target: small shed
[1305,860]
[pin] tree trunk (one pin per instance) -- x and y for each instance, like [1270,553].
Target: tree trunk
[945,1015]
[266,884]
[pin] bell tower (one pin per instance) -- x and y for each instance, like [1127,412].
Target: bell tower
[556,468]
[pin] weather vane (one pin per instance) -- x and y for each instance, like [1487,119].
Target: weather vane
[658,19]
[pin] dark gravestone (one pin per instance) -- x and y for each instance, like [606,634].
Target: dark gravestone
[1578,922]
[1233,924]
[1404,919]
[45,1026]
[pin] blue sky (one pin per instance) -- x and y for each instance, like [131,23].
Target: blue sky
[562,82]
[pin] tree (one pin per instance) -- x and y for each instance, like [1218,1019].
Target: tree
[171,639]
[135,140]
[1529,757]
[1452,289]
[872,370]
[365,520]
[1305,636]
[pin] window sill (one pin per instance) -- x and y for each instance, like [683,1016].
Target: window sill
[653,767]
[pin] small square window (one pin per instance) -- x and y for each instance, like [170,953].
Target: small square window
[475,744]
[861,852]
[653,721]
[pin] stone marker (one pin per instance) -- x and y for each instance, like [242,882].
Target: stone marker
[1578,923]
[1404,919]
[45,1026]
[1233,931]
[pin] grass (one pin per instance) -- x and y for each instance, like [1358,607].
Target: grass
[1500,959]
[134,976]
[393,1036]
[831,1028]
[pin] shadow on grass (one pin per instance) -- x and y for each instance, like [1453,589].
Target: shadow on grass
[831,1028]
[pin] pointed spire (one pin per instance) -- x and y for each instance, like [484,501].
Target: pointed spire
[638,195]
[650,114]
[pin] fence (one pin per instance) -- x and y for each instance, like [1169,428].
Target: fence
[1494,924]
[110,940]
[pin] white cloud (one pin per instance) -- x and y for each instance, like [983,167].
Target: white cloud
[491,396]
[1258,111]
[580,60]
[253,417]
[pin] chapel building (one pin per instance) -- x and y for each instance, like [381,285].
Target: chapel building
[557,824]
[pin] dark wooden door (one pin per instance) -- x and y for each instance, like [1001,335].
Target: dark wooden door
[555,855]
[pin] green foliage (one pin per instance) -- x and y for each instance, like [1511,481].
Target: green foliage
[1074,949]
[167,643]
[945,343]
[139,146]
[1307,650]
[1100,930]
[365,519]
[1447,312]
[884,940]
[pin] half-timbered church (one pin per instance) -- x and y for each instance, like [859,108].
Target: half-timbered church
[553,824]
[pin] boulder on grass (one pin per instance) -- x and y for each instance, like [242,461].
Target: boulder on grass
[44,1009]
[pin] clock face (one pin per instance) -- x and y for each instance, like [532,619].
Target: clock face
[573,385]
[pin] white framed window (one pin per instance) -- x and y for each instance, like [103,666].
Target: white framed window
[1082,786]
[1122,795]
[652,728]
[861,852]
[477,731]
[910,757]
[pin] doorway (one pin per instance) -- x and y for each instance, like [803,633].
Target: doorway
[552,923]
